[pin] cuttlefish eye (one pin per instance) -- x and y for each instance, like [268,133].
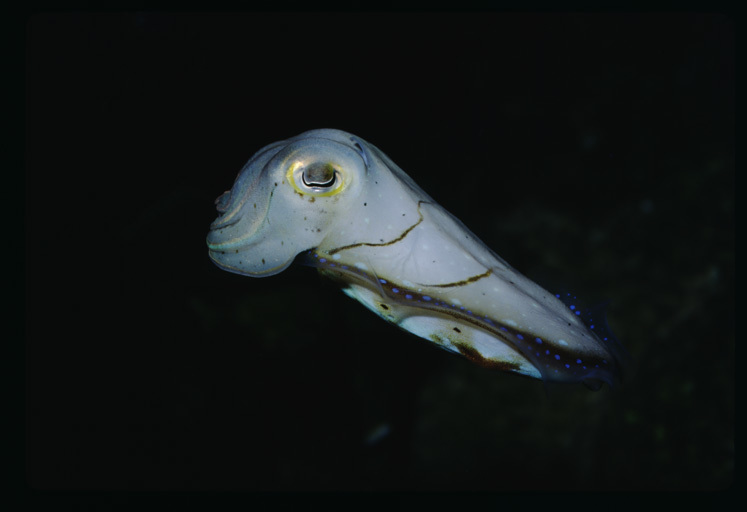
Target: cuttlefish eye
[316,178]
[319,175]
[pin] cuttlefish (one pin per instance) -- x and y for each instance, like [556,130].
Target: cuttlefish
[347,209]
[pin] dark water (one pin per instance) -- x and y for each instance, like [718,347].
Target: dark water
[595,153]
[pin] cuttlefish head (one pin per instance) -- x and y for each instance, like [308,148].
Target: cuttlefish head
[285,200]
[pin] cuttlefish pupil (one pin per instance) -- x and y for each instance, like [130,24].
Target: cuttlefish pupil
[369,227]
[319,175]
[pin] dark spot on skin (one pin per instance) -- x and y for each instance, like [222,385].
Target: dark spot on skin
[237,251]
[312,199]
[276,183]
[223,252]
[282,243]
[384,306]
[457,330]
[255,205]
[365,204]
[318,230]
[263,261]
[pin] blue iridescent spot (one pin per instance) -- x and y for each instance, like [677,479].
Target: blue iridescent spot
[557,357]
[578,312]
[425,297]
[538,340]
[408,296]
[322,260]
[547,352]
[395,290]
[382,281]
[345,267]
[572,306]
[578,361]
[520,336]
[567,365]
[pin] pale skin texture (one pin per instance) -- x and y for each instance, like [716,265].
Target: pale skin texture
[366,224]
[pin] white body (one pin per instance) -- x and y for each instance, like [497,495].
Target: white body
[366,224]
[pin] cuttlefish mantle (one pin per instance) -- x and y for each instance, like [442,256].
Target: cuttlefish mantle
[356,216]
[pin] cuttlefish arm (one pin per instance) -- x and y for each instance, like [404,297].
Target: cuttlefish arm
[364,223]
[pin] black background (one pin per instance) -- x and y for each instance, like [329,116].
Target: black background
[595,153]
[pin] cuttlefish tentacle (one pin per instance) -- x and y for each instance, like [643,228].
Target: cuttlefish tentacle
[365,224]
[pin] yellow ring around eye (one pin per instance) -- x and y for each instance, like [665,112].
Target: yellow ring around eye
[293,174]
